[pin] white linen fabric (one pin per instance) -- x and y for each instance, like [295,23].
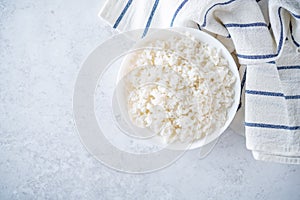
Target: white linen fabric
[263,36]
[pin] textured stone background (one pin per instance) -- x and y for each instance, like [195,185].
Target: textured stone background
[42,44]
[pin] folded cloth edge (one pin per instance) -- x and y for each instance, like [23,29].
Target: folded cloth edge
[262,156]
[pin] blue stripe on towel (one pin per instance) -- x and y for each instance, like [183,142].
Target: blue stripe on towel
[273,94]
[281,32]
[122,14]
[257,24]
[292,97]
[268,55]
[288,67]
[177,11]
[256,92]
[256,56]
[293,39]
[273,126]
[217,4]
[150,17]
[296,15]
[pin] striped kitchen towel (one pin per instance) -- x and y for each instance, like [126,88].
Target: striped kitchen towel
[265,38]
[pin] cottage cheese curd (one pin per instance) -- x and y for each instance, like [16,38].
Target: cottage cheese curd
[180,88]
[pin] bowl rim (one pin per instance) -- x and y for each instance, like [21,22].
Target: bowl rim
[211,41]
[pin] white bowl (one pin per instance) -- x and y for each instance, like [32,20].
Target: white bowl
[211,41]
